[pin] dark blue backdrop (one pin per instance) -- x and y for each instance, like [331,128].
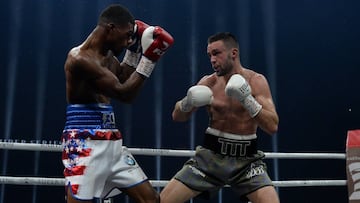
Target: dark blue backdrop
[307,49]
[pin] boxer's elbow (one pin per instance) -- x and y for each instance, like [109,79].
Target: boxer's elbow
[273,126]
[126,98]
[179,117]
[272,129]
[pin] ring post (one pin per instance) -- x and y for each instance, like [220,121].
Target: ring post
[353,165]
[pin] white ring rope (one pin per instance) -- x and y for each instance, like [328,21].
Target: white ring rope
[163,152]
[162,183]
[167,152]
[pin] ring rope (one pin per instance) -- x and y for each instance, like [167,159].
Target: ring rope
[163,152]
[167,152]
[161,183]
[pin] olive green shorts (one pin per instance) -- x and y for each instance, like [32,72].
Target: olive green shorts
[207,172]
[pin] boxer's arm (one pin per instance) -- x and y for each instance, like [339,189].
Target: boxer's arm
[179,115]
[155,41]
[197,96]
[267,118]
[109,85]
[124,71]
[105,82]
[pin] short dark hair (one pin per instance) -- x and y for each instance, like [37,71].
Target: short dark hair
[229,39]
[116,14]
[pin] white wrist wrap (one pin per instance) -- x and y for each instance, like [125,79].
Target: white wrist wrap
[145,66]
[131,58]
[185,106]
[251,105]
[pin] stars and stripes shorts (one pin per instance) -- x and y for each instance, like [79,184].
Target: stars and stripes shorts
[97,167]
[96,163]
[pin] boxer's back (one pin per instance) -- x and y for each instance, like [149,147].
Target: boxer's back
[82,68]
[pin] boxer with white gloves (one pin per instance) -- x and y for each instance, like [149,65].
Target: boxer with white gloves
[238,88]
[198,95]
[155,41]
[238,102]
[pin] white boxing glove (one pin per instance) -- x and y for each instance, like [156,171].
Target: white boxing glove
[238,88]
[198,95]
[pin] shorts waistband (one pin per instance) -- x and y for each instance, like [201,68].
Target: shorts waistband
[111,134]
[218,133]
[225,144]
[90,116]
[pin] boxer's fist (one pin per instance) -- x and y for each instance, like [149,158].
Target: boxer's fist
[133,51]
[155,41]
[198,95]
[238,88]
[139,28]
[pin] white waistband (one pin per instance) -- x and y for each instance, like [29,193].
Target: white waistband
[219,133]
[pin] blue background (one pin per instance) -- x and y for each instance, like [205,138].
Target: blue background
[309,50]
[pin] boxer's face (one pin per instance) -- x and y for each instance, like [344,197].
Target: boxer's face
[122,37]
[220,57]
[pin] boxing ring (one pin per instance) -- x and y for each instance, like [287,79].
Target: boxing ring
[45,181]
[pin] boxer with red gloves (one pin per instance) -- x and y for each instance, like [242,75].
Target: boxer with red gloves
[96,163]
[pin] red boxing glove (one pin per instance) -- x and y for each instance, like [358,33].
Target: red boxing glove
[133,52]
[155,41]
[139,28]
